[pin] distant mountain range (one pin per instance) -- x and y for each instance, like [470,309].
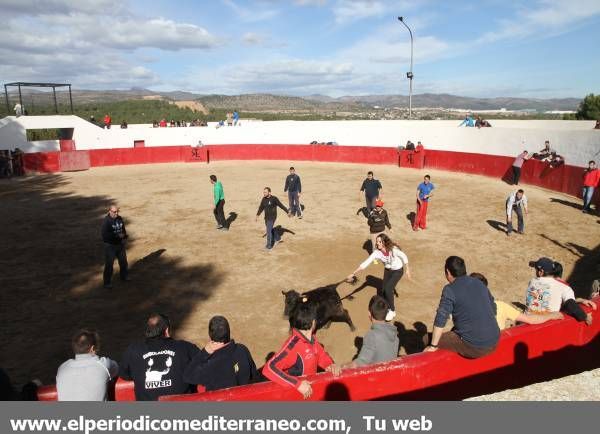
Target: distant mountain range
[268,102]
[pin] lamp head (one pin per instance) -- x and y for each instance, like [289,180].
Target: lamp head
[401,18]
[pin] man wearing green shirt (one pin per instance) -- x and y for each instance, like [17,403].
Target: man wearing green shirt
[219,201]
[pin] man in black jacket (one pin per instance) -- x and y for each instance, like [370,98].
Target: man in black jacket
[293,186]
[114,237]
[372,188]
[221,363]
[269,204]
[378,219]
[156,365]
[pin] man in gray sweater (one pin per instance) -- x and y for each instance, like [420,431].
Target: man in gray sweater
[86,377]
[381,343]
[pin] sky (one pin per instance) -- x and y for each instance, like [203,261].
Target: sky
[484,48]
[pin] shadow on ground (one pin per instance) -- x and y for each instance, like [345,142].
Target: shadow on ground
[51,282]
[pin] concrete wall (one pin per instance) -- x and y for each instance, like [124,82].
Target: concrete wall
[577,141]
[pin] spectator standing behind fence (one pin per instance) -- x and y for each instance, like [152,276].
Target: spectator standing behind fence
[372,188]
[591,179]
[381,342]
[293,186]
[156,365]
[18,108]
[475,332]
[517,203]
[468,121]
[229,119]
[219,203]
[114,237]
[86,377]
[107,121]
[518,164]
[236,118]
[222,363]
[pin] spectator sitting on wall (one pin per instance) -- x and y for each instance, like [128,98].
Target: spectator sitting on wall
[547,294]
[86,377]
[220,124]
[507,315]
[555,160]
[301,354]
[156,365]
[93,120]
[545,152]
[597,126]
[222,363]
[381,343]
[419,147]
[473,310]
[172,124]
[163,123]
[124,125]
[410,146]
[468,121]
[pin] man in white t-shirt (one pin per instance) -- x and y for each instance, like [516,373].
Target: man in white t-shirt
[86,377]
[546,293]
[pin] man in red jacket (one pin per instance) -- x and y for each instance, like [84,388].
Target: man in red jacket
[301,354]
[591,177]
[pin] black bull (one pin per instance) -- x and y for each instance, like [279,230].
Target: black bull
[327,303]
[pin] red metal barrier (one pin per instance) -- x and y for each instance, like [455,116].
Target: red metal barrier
[566,179]
[66,145]
[74,161]
[47,162]
[525,354]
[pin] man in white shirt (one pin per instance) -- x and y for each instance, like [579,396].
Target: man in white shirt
[516,202]
[86,377]
[546,293]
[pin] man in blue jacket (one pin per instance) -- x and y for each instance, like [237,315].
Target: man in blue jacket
[475,332]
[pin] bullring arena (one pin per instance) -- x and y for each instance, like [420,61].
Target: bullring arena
[181,265]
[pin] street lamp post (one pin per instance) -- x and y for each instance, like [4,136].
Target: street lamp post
[409,74]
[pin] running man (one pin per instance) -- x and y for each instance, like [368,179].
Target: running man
[424,192]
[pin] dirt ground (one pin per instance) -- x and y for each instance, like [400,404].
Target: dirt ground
[51,280]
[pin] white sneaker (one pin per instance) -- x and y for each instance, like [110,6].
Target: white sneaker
[390,315]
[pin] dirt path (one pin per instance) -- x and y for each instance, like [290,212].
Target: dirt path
[182,266]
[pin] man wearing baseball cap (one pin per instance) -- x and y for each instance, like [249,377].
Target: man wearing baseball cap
[547,294]
[377,221]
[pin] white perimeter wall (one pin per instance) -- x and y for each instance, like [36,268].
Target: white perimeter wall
[577,141]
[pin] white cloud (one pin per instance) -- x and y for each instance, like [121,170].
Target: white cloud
[310,2]
[347,11]
[88,42]
[251,38]
[253,14]
[546,18]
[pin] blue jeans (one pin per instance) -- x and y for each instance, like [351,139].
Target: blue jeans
[587,194]
[294,203]
[272,235]
[521,223]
